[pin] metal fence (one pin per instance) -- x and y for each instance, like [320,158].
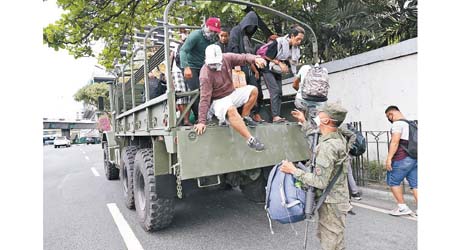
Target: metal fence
[369,167]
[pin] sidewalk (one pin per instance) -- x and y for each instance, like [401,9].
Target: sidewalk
[382,197]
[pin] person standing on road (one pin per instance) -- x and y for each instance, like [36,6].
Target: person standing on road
[331,154]
[192,54]
[219,97]
[398,163]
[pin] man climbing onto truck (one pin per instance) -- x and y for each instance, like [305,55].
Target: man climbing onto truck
[219,97]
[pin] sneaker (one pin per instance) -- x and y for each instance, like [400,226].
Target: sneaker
[256,144]
[356,196]
[249,122]
[397,211]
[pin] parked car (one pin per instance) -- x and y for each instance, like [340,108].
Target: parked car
[61,141]
[48,140]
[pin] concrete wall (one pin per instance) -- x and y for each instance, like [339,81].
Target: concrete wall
[367,83]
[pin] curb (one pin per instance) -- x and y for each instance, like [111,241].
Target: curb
[384,195]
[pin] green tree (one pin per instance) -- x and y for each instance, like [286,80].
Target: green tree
[343,27]
[85,22]
[89,94]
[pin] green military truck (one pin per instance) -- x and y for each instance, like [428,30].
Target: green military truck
[158,160]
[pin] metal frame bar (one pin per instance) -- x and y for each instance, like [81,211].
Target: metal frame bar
[123,88]
[171,92]
[196,94]
[313,38]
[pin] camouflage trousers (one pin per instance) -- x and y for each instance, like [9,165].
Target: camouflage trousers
[331,225]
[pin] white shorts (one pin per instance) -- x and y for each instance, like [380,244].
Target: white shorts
[238,98]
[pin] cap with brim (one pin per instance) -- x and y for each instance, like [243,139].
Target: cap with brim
[336,112]
[213,23]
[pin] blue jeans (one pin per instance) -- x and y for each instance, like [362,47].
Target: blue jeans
[401,169]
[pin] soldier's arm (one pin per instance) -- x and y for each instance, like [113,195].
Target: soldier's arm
[324,167]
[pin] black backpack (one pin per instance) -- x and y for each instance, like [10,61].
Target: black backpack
[356,138]
[411,149]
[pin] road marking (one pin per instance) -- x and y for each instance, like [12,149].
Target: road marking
[95,171]
[380,210]
[128,236]
[87,158]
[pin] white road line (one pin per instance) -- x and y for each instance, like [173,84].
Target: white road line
[128,236]
[380,210]
[95,171]
[87,158]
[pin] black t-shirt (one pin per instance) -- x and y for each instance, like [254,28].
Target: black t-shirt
[272,50]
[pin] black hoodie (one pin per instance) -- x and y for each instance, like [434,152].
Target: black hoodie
[237,34]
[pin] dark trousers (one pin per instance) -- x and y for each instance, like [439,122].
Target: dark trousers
[273,83]
[193,84]
[251,80]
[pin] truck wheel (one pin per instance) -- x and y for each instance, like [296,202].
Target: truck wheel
[126,174]
[111,172]
[255,190]
[154,213]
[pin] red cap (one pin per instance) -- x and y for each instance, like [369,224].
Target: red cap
[213,23]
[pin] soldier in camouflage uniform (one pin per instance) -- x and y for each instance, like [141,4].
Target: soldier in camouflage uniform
[331,154]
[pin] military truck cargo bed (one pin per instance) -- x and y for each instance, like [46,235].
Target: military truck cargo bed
[222,150]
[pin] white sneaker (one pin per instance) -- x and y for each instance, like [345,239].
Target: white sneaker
[397,211]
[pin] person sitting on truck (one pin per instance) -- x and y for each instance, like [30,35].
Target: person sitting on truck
[219,97]
[192,54]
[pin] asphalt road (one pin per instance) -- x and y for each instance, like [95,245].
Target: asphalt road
[76,216]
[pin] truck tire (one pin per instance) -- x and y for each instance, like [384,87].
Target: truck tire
[126,174]
[255,190]
[111,172]
[154,213]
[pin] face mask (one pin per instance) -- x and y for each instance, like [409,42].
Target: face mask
[209,34]
[216,66]
[317,121]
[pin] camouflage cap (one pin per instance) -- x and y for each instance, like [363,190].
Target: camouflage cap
[335,111]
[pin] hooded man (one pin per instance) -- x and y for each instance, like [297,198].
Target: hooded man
[241,34]
[241,42]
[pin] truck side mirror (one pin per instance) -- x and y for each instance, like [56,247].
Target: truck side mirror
[101,107]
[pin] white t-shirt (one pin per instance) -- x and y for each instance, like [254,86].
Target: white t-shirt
[401,127]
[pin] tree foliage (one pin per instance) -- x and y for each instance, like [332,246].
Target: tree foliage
[89,94]
[343,27]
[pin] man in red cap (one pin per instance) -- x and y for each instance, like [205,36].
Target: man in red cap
[192,54]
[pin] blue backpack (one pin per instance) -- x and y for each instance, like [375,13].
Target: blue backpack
[285,203]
